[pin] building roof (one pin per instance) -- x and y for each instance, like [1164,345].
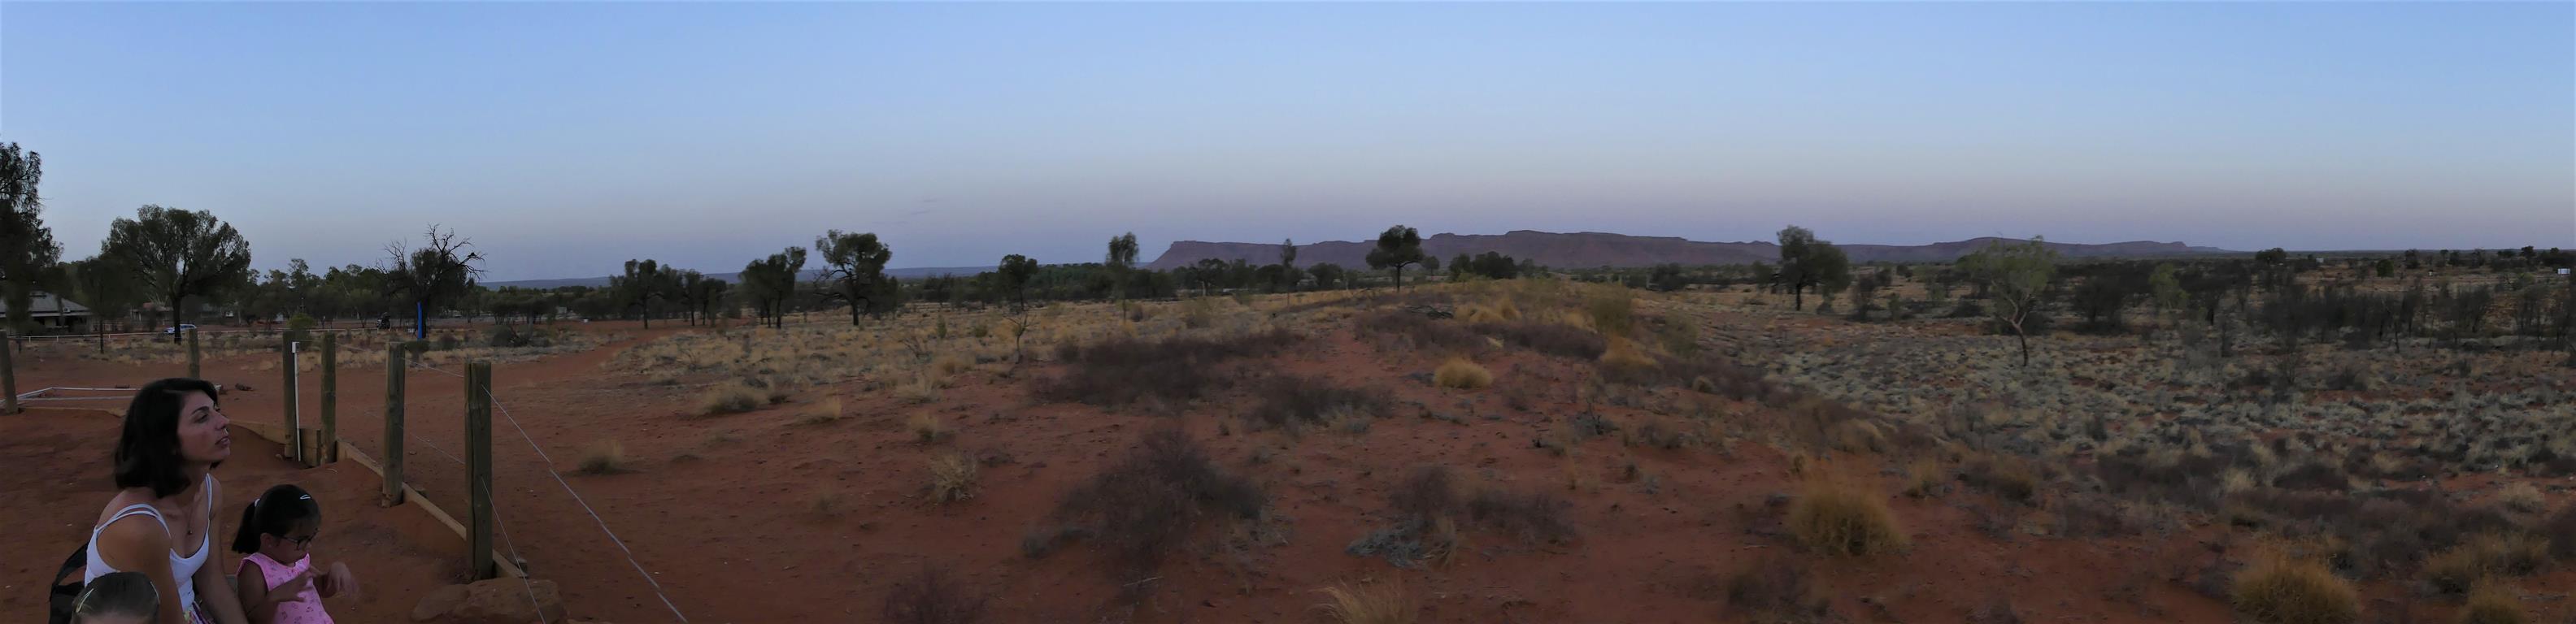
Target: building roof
[48,305]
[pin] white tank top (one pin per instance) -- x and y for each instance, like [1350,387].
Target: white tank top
[183,570]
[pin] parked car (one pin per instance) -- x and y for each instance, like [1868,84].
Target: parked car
[182,327]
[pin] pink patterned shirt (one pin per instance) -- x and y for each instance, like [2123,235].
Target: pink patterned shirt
[306,608]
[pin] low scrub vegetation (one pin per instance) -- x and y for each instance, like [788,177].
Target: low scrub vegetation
[1838,519]
[604,457]
[1383,603]
[2282,591]
[1148,504]
[1123,370]
[1293,402]
[933,596]
[732,397]
[1462,374]
[2493,603]
[1531,516]
[1774,587]
[952,477]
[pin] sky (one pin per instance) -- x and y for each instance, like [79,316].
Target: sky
[565,138]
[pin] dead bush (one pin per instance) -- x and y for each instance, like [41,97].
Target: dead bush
[2281,591]
[1421,332]
[1428,494]
[1295,402]
[2521,497]
[1153,500]
[604,457]
[2462,567]
[1383,603]
[1555,339]
[952,477]
[1535,516]
[1838,519]
[731,397]
[1462,374]
[1774,587]
[2006,476]
[2493,603]
[933,596]
[2560,529]
[1123,370]
[926,428]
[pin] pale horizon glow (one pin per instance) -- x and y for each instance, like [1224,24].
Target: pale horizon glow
[564,139]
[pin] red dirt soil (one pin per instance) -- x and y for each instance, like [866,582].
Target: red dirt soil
[723,510]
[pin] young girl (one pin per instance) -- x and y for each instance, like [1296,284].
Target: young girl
[277,581]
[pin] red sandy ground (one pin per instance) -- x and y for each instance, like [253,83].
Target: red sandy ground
[728,526]
[57,480]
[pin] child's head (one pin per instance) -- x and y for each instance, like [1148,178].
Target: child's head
[117,598]
[280,524]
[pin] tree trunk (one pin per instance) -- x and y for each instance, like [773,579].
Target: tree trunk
[854,311]
[1399,278]
[1797,296]
[2025,344]
[175,337]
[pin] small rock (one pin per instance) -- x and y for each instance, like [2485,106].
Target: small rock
[242,387]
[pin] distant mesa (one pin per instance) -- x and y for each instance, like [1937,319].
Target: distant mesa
[1583,250]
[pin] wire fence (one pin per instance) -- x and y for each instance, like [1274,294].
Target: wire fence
[549,464]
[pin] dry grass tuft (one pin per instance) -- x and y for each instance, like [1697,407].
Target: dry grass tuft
[1384,603]
[951,365]
[824,413]
[2281,591]
[1839,519]
[1462,374]
[952,477]
[933,596]
[732,397]
[2522,497]
[604,457]
[2493,603]
[922,389]
[1624,356]
[927,428]
[2463,567]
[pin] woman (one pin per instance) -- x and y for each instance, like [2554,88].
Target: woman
[162,520]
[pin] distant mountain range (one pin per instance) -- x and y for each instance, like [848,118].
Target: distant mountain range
[1584,250]
[602,281]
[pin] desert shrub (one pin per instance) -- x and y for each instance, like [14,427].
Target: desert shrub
[731,397]
[932,596]
[952,477]
[926,427]
[1153,500]
[2494,603]
[1854,436]
[1422,331]
[1624,359]
[504,336]
[2460,568]
[603,457]
[1556,339]
[1123,370]
[950,365]
[1429,493]
[2560,529]
[1774,586]
[1612,312]
[1532,516]
[1462,374]
[2314,475]
[1198,312]
[1384,603]
[1926,478]
[1838,519]
[2521,497]
[2281,591]
[1660,434]
[1290,401]
[2006,476]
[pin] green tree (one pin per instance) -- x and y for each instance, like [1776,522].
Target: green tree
[1327,275]
[2384,268]
[857,272]
[1806,262]
[27,247]
[1015,272]
[639,286]
[1397,247]
[1122,259]
[176,254]
[771,281]
[2014,276]
[1287,275]
[2165,289]
[2274,255]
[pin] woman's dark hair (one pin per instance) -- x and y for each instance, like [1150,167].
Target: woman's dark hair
[147,454]
[128,594]
[277,513]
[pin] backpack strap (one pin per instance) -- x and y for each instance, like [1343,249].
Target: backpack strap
[79,558]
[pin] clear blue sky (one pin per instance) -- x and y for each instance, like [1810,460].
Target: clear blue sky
[566,138]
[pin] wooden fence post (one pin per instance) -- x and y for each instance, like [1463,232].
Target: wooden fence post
[192,355]
[478,465]
[393,423]
[8,377]
[294,420]
[330,399]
